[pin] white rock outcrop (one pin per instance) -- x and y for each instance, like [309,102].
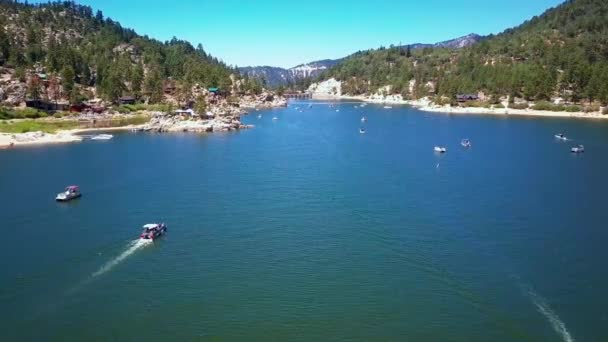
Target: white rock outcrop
[330,88]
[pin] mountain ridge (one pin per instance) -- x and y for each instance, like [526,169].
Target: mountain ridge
[277,76]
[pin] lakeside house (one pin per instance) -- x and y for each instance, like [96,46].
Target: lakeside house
[126,100]
[185,112]
[47,106]
[466,97]
[169,87]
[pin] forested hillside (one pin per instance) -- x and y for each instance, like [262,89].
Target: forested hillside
[562,53]
[83,50]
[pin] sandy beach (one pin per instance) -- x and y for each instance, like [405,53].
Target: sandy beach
[427,106]
[8,140]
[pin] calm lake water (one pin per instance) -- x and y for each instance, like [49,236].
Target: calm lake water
[302,229]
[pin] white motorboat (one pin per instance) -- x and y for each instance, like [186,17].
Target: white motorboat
[362,130]
[440,149]
[260,116]
[465,143]
[70,193]
[578,149]
[275,118]
[561,136]
[388,107]
[102,137]
[363,119]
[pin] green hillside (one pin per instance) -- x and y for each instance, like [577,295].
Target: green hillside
[563,52]
[85,49]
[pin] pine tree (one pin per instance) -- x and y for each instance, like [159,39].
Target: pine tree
[153,86]
[137,79]
[68,75]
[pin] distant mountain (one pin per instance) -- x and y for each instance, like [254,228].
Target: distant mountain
[456,43]
[275,76]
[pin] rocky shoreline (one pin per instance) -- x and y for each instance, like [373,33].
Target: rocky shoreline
[163,123]
[219,118]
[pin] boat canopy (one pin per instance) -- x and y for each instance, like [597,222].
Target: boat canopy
[72,187]
[150,225]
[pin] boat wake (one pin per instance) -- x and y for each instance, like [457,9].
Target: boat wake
[133,247]
[543,307]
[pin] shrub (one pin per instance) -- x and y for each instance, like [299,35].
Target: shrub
[605,111]
[477,104]
[591,108]
[573,109]
[518,105]
[124,109]
[499,106]
[134,120]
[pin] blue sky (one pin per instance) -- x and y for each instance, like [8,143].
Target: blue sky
[287,33]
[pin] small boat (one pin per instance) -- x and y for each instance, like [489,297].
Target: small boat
[440,149]
[152,231]
[275,118]
[363,119]
[561,136]
[363,105]
[388,107]
[578,149]
[309,106]
[465,143]
[102,137]
[260,116]
[70,193]
[362,130]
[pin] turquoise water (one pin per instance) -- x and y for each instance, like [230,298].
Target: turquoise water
[302,229]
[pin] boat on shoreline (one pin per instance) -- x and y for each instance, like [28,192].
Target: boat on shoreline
[388,107]
[70,193]
[102,137]
[153,231]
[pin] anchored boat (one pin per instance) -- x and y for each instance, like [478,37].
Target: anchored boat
[152,231]
[578,149]
[70,193]
[465,143]
[561,136]
[440,149]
